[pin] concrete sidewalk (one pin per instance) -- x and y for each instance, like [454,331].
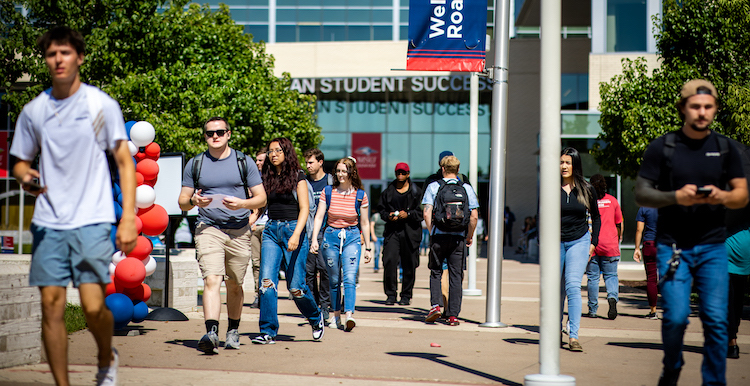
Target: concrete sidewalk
[392,346]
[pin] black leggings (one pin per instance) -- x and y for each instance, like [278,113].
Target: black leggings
[737,289]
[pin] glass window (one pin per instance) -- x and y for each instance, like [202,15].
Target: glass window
[382,15]
[396,149]
[483,118]
[382,3]
[458,144]
[332,116]
[626,25]
[334,33]
[382,33]
[398,116]
[334,15]
[421,121]
[309,33]
[358,15]
[358,33]
[335,145]
[258,32]
[286,15]
[309,3]
[450,117]
[285,3]
[367,116]
[255,15]
[334,3]
[358,3]
[404,32]
[580,124]
[590,167]
[309,15]
[286,33]
[574,91]
[404,15]
[421,149]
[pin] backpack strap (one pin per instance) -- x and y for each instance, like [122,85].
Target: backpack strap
[360,197]
[242,165]
[328,191]
[197,166]
[724,152]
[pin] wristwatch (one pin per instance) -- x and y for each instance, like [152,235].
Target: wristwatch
[396,213]
[191,201]
[368,249]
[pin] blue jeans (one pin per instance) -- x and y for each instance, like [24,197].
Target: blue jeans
[273,250]
[376,250]
[704,266]
[606,266]
[574,255]
[342,248]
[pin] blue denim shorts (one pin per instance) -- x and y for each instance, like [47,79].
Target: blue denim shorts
[81,255]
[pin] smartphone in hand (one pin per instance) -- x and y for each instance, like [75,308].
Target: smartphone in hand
[703,192]
[32,186]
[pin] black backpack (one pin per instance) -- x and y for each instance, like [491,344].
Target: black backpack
[451,210]
[241,164]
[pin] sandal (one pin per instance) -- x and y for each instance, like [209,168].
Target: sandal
[574,345]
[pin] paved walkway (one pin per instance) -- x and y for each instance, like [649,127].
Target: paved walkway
[392,346]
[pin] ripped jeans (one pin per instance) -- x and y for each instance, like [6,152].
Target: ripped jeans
[273,249]
[342,248]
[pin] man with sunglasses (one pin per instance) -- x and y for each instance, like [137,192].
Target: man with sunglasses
[400,207]
[222,236]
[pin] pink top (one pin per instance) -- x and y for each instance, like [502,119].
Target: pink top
[341,211]
[609,243]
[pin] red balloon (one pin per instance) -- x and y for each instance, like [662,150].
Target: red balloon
[150,183]
[152,150]
[140,156]
[130,272]
[155,220]
[143,248]
[148,167]
[138,224]
[138,293]
[112,286]
[139,179]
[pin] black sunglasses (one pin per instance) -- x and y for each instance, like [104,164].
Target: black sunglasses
[404,172]
[221,133]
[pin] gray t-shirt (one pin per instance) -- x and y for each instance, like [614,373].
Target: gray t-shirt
[72,165]
[222,176]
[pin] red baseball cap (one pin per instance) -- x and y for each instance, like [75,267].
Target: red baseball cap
[402,166]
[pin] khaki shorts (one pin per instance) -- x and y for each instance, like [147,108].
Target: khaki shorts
[223,252]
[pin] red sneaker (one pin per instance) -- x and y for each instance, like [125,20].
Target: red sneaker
[433,315]
[453,321]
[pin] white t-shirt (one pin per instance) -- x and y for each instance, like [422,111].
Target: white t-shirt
[72,165]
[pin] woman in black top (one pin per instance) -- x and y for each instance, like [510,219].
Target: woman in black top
[578,202]
[283,238]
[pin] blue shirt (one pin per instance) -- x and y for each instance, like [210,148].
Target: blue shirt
[648,216]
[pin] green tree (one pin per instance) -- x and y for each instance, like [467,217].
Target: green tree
[174,68]
[695,39]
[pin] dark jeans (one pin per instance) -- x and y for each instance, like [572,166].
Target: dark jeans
[737,289]
[397,248]
[453,249]
[321,290]
[649,262]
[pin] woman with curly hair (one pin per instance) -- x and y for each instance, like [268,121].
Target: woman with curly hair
[347,206]
[284,238]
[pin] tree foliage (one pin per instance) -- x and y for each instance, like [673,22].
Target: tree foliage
[695,39]
[174,67]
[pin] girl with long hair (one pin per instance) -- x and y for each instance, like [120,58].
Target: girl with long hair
[284,238]
[578,202]
[346,205]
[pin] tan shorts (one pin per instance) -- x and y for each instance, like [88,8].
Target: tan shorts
[223,252]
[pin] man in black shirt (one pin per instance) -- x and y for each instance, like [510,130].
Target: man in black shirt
[683,174]
[400,207]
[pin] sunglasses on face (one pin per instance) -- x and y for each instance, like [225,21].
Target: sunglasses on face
[210,134]
[404,172]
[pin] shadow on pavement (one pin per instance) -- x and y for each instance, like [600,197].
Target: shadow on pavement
[654,346]
[522,341]
[437,358]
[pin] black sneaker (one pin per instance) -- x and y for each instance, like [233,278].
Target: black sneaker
[209,343]
[404,301]
[255,303]
[318,329]
[669,377]
[612,314]
[263,339]
[390,301]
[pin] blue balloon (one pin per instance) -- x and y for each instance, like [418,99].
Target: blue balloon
[128,126]
[121,307]
[116,190]
[140,312]
[113,235]
[118,211]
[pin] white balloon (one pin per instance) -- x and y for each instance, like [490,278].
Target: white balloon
[117,257]
[142,133]
[150,264]
[144,196]
[133,148]
[111,269]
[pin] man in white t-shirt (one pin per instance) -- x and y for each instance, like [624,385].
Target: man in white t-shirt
[74,208]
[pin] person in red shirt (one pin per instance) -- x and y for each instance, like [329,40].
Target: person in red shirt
[607,252]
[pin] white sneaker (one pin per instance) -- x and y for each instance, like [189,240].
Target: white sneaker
[334,322]
[107,376]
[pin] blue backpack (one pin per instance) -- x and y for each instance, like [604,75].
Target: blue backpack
[328,191]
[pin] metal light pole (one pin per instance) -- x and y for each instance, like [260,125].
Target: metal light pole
[549,202]
[471,263]
[497,163]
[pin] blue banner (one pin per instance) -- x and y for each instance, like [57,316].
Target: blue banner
[447,35]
